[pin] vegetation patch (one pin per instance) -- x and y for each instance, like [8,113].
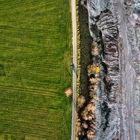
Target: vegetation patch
[35,57]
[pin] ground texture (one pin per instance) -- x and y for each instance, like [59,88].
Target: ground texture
[35,54]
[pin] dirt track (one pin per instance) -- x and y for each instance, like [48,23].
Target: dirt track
[74,44]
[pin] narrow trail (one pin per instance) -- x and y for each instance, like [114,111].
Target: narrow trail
[74,44]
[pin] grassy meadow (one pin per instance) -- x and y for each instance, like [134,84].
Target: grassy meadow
[35,55]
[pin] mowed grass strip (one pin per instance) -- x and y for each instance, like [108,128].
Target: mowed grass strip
[35,57]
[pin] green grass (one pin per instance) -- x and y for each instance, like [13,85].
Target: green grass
[35,54]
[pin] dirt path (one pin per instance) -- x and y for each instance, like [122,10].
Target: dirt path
[74,44]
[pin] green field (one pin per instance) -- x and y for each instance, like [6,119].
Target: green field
[35,55]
